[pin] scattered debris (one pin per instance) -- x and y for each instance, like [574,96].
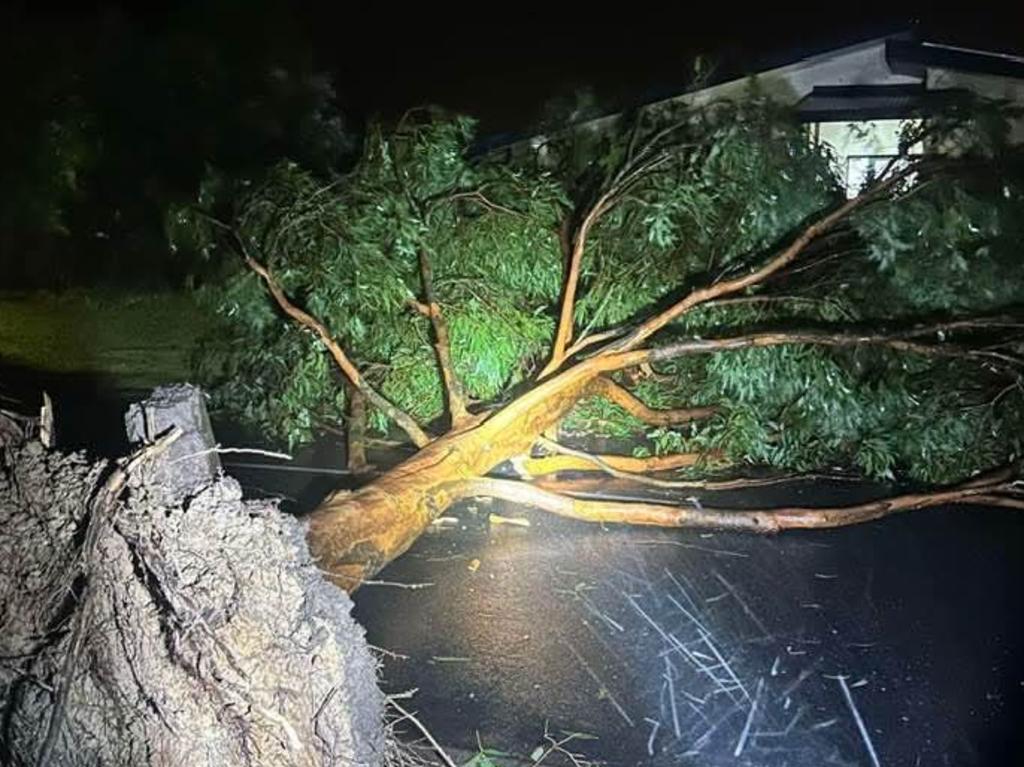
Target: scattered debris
[497,519]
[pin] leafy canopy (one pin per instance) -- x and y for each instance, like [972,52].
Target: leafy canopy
[732,186]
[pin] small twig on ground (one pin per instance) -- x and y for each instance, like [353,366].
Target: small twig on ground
[398,584]
[390,654]
[275,467]
[557,746]
[218,449]
[861,727]
[406,714]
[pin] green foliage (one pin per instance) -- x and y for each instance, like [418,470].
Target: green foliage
[347,249]
[949,246]
[743,185]
[482,759]
[730,189]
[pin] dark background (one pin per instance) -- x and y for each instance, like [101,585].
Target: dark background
[116,112]
[502,61]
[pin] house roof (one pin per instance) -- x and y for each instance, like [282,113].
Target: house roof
[913,58]
[872,102]
[901,60]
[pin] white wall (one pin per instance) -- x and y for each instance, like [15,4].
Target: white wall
[863,148]
[863,64]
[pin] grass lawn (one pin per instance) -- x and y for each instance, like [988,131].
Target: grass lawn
[136,341]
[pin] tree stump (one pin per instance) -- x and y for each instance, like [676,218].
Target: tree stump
[191,463]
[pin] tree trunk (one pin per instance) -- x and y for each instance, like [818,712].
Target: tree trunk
[353,534]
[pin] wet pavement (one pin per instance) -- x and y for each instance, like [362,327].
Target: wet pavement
[892,643]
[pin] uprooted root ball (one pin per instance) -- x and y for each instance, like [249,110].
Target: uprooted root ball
[135,633]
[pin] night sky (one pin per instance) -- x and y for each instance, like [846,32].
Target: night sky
[502,61]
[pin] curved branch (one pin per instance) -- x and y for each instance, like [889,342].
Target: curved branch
[478,196]
[898,341]
[405,421]
[776,263]
[574,244]
[570,459]
[454,391]
[586,341]
[770,520]
[624,398]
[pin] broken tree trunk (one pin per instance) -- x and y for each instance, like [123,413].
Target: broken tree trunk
[354,534]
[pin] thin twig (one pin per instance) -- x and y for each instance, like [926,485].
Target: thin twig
[426,733]
[219,449]
[399,585]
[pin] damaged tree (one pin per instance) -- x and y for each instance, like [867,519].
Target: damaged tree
[151,616]
[704,281]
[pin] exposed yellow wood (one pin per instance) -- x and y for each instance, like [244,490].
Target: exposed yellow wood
[551,464]
[768,520]
[629,402]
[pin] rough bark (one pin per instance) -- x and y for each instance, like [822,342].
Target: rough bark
[139,632]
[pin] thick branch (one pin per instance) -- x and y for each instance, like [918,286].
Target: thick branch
[775,264]
[355,434]
[611,391]
[574,242]
[898,341]
[406,422]
[626,468]
[626,486]
[770,520]
[616,465]
[442,345]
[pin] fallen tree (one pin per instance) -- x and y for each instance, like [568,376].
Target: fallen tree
[704,280]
